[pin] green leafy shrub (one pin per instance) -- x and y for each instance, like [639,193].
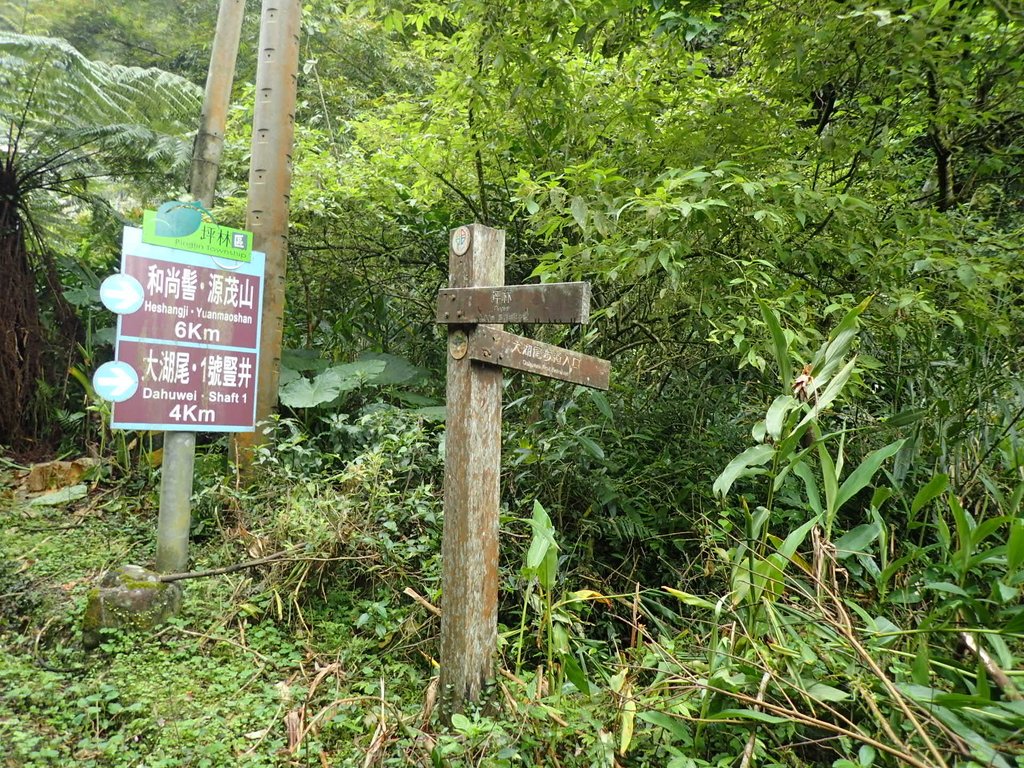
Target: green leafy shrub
[372,519]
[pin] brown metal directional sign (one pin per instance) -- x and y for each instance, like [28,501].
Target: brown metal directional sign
[522,354]
[187,339]
[546,303]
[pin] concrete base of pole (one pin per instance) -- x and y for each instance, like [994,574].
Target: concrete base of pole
[175,497]
[129,597]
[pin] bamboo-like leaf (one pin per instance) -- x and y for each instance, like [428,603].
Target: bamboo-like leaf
[688,599]
[1015,547]
[835,386]
[627,724]
[781,350]
[840,341]
[854,542]
[754,456]
[777,413]
[829,480]
[676,727]
[823,692]
[801,470]
[796,538]
[542,556]
[862,475]
[935,487]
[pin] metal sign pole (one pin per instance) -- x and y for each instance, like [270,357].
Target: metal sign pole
[179,457]
[175,517]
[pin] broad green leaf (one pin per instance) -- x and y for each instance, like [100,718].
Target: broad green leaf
[688,599]
[304,360]
[904,418]
[1014,501]
[1015,546]
[431,412]
[856,541]
[880,496]
[935,487]
[287,376]
[822,692]
[396,370]
[828,480]
[777,412]
[964,530]
[591,447]
[796,538]
[627,723]
[574,672]
[542,556]
[676,727]
[862,475]
[578,207]
[947,587]
[920,670]
[804,472]
[326,386]
[840,341]
[601,401]
[986,528]
[755,456]
[306,393]
[880,625]
[768,575]
[63,496]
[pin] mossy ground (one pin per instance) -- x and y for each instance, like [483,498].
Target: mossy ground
[225,684]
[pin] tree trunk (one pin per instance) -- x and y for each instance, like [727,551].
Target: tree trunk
[270,178]
[216,101]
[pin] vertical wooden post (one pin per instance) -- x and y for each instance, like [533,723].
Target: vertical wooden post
[469,581]
[270,178]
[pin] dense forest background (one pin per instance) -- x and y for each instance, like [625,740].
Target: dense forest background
[790,534]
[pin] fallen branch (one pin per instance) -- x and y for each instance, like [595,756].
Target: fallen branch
[422,600]
[998,675]
[166,577]
[748,750]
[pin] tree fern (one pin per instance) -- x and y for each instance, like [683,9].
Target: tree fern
[66,121]
[64,100]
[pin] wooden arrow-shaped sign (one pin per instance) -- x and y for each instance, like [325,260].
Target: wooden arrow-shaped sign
[545,303]
[521,354]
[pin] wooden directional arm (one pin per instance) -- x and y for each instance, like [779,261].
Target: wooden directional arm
[545,303]
[519,353]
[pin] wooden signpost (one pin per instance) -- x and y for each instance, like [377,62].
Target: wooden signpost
[474,307]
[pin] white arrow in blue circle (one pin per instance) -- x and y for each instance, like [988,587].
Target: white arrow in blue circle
[122,294]
[115,381]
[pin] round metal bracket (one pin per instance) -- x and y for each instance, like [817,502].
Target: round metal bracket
[458,344]
[460,241]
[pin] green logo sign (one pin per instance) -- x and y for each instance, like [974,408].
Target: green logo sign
[182,226]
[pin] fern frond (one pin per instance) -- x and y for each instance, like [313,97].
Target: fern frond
[49,91]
